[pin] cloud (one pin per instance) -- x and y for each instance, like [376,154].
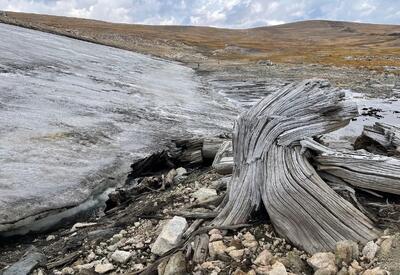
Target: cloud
[218,13]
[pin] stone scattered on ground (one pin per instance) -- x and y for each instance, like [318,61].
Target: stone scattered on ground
[255,250]
[170,235]
[204,194]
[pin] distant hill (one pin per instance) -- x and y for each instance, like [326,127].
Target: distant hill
[324,42]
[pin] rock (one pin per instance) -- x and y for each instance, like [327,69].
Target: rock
[87,266]
[343,271]
[116,238]
[238,271]
[91,256]
[169,178]
[67,271]
[375,271]
[331,270]
[103,268]
[322,260]
[32,258]
[278,269]
[264,258]
[121,256]
[252,245]
[294,263]
[389,254]
[138,267]
[370,249]
[161,267]
[204,194]
[386,247]
[346,251]
[180,171]
[176,265]
[170,235]
[249,237]
[236,254]
[215,237]
[81,225]
[50,238]
[216,248]
[263,270]
[214,231]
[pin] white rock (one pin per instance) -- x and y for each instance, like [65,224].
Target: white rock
[170,235]
[237,254]
[103,268]
[67,271]
[138,267]
[322,260]
[216,248]
[180,171]
[87,266]
[215,237]
[203,194]
[50,238]
[91,256]
[278,269]
[121,256]
[264,258]
[81,225]
[370,249]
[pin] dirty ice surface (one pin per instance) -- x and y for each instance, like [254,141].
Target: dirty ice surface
[74,115]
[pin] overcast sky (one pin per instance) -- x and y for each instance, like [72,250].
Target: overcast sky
[218,13]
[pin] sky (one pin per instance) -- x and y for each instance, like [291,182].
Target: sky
[217,13]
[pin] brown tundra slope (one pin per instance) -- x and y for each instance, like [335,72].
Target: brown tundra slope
[322,42]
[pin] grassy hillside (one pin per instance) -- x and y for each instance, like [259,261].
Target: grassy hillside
[323,42]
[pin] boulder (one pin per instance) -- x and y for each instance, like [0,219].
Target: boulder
[170,235]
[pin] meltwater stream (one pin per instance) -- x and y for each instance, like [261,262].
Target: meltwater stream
[74,115]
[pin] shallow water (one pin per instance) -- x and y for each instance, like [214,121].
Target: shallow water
[74,115]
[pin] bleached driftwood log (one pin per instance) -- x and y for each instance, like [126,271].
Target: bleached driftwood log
[385,134]
[269,167]
[357,168]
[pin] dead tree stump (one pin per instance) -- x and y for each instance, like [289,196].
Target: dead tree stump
[269,167]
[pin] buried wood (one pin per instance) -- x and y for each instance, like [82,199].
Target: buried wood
[269,167]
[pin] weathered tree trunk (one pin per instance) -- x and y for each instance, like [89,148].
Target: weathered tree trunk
[363,170]
[269,166]
[386,135]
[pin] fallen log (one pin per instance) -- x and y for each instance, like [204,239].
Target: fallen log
[270,167]
[385,135]
[357,168]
